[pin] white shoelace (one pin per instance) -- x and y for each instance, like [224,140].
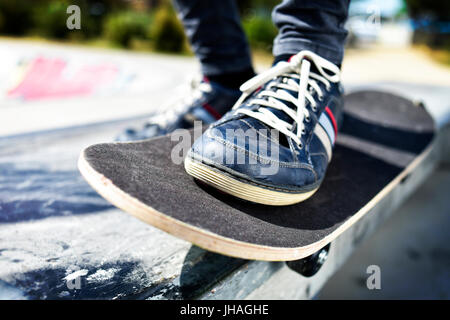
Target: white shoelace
[183,100]
[298,68]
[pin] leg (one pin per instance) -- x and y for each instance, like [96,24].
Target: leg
[217,38]
[299,100]
[316,25]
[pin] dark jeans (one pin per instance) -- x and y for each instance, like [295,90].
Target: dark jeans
[218,40]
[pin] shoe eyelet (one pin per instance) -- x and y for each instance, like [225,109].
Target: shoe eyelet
[308,119]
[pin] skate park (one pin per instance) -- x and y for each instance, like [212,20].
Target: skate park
[56,231]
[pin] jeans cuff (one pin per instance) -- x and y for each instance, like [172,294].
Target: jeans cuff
[294,46]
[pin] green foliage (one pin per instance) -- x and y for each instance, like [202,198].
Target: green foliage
[124,26]
[2,21]
[50,19]
[246,6]
[123,23]
[93,15]
[16,16]
[434,11]
[260,30]
[438,9]
[167,31]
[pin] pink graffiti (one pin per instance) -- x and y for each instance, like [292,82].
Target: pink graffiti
[48,78]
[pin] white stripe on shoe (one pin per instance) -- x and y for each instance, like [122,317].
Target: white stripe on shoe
[325,122]
[320,132]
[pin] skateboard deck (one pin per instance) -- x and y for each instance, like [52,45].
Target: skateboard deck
[383,139]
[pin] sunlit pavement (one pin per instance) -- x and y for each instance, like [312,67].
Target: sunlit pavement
[41,84]
[410,248]
[32,97]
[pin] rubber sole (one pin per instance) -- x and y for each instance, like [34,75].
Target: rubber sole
[240,189]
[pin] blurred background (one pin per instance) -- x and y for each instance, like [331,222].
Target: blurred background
[125,62]
[151,25]
[114,51]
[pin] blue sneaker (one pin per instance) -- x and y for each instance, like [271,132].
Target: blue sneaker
[275,145]
[207,102]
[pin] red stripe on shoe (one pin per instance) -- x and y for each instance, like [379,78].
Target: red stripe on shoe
[333,120]
[212,111]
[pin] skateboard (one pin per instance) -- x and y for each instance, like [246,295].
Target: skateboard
[383,139]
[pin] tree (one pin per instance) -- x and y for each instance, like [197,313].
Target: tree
[434,9]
